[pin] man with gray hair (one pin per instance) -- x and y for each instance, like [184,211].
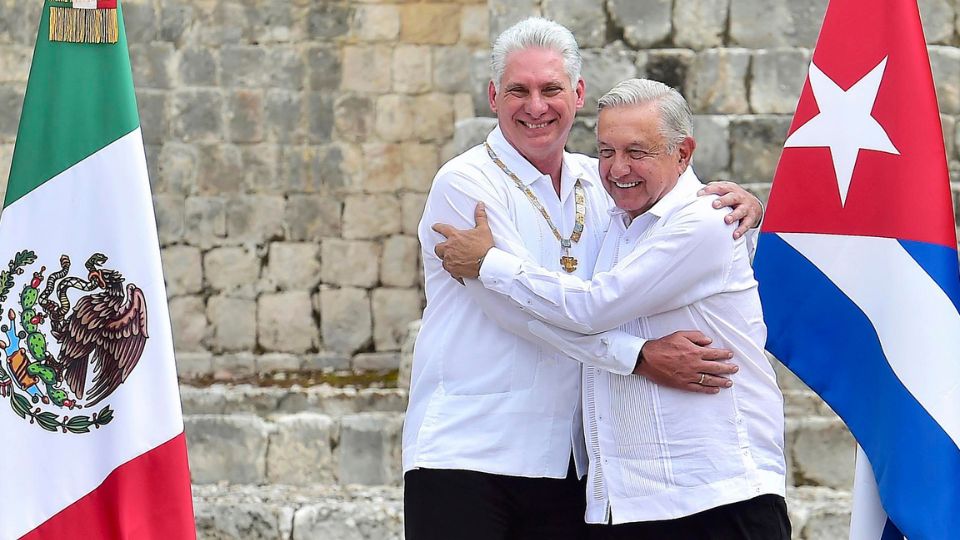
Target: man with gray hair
[493,440]
[663,463]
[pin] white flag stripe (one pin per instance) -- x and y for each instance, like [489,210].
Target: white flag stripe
[868,518]
[102,204]
[917,324]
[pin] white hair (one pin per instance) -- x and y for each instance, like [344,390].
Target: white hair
[676,120]
[539,33]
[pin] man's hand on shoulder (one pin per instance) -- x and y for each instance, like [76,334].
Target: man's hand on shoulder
[463,250]
[746,207]
[683,360]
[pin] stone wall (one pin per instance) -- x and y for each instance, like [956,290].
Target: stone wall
[291,143]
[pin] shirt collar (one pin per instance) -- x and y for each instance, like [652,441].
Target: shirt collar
[524,170]
[688,184]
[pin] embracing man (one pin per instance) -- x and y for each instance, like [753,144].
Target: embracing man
[663,463]
[493,443]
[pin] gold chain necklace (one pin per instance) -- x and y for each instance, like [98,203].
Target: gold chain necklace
[568,262]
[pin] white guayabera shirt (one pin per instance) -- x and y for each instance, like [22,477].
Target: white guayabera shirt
[485,393]
[658,453]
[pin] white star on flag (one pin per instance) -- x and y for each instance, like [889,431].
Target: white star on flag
[844,124]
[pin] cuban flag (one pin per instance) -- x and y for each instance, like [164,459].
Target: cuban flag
[858,270]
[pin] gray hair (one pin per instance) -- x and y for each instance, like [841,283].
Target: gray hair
[676,120]
[535,32]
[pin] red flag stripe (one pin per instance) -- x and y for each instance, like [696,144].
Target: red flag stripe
[146,498]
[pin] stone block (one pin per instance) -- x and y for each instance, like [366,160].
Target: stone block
[310,217]
[327,20]
[699,24]
[169,210]
[949,124]
[319,116]
[177,169]
[152,106]
[937,17]
[434,24]
[669,66]
[354,520]
[396,116]
[505,13]
[645,23]
[756,143]
[228,23]
[406,355]
[585,18]
[345,319]
[784,23]
[718,82]
[375,22]
[471,132]
[401,255]
[259,164]
[11,103]
[230,367]
[367,68]
[411,209]
[711,160]
[475,25]
[583,136]
[324,66]
[152,64]
[196,115]
[222,520]
[285,322]
[438,125]
[378,361]
[307,169]
[277,363]
[140,22]
[189,322]
[227,448]
[353,117]
[420,163]
[233,323]
[603,68]
[193,365]
[254,218]
[232,270]
[369,450]
[324,361]
[412,69]
[244,116]
[777,79]
[822,452]
[292,266]
[19,22]
[383,167]
[205,221]
[219,169]
[285,67]
[370,216]
[175,18]
[479,83]
[451,69]
[276,22]
[300,450]
[182,270]
[463,107]
[393,310]
[15,63]
[350,263]
[945,63]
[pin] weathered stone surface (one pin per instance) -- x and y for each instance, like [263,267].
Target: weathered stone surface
[244,116]
[181,270]
[395,117]
[818,513]
[346,321]
[699,24]
[948,123]
[412,69]
[285,67]
[169,210]
[191,365]
[369,451]
[284,115]
[324,361]
[420,163]
[254,218]
[669,66]
[233,323]
[937,17]
[324,67]
[411,209]
[717,82]
[756,142]
[945,63]
[311,217]
[11,102]
[327,20]
[277,363]
[319,116]
[480,76]
[784,23]
[822,452]
[367,68]
[152,106]
[471,132]
[712,156]
[585,18]
[603,68]
[219,169]
[430,23]
[292,266]
[438,125]
[198,66]
[583,136]
[285,322]
[300,450]
[353,117]
[227,448]
[393,309]
[350,521]
[189,322]
[406,355]
[475,25]
[347,262]
[197,115]
[230,366]
[398,266]
[777,79]
[644,22]
[246,520]
[205,222]
[375,22]
[15,63]
[152,64]
[451,69]
[378,361]
[370,216]
[506,13]
[233,270]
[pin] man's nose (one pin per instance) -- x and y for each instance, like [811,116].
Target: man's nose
[619,167]
[536,105]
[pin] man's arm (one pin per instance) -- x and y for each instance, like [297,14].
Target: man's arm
[746,208]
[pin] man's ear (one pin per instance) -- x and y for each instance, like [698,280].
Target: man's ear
[581,90]
[685,151]
[492,96]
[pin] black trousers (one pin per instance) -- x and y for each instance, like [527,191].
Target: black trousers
[441,504]
[760,518]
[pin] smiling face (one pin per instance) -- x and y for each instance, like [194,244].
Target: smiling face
[536,104]
[635,165]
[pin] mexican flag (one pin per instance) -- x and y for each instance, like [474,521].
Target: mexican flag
[92,433]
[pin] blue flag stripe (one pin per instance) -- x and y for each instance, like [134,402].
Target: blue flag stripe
[941,263]
[828,341]
[891,532]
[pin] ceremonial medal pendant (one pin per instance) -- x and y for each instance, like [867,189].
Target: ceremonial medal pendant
[566,261]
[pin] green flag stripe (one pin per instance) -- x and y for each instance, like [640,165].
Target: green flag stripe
[79,99]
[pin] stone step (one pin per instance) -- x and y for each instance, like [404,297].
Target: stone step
[266,401]
[226,512]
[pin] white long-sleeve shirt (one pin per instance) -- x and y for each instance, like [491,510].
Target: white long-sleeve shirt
[486,394]
[658,453]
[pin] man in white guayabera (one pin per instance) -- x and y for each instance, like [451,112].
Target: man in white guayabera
[663,463]
[493,440]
